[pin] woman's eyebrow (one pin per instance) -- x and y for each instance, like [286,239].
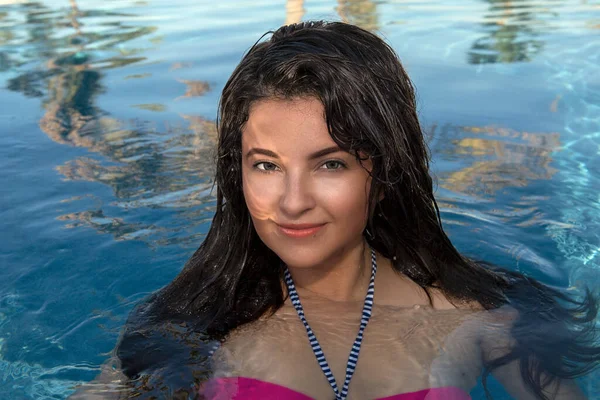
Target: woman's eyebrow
[317,154]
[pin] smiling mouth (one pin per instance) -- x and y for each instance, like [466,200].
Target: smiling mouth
[304,231]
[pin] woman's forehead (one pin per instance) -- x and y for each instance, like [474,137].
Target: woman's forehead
[269,113]
[290,125]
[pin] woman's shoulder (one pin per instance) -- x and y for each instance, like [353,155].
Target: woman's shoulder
[441,301]
[490,328]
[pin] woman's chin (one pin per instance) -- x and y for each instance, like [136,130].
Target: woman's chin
[301,256]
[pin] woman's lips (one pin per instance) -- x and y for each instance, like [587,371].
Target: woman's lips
[300,233]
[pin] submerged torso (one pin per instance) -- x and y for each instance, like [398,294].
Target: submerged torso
[405,349]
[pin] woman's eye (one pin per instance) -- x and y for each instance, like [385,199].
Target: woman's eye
[334,164]
[266,166]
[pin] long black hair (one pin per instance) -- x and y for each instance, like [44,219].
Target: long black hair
[234,278]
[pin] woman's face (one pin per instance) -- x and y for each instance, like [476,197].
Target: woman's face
[294,173]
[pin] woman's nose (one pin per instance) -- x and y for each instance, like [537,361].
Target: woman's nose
[297,196]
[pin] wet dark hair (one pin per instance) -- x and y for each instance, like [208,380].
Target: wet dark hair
[369,102]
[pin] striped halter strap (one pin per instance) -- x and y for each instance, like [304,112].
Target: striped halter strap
[316,347]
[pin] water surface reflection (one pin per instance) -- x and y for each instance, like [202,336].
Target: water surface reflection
[121,99]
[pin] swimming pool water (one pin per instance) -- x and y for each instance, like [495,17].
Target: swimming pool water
[107,119]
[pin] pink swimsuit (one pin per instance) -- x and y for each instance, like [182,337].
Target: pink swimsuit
[240,388]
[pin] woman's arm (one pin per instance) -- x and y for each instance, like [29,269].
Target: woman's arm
[496,341]
[509,376]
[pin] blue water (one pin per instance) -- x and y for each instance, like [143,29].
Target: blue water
[107,115]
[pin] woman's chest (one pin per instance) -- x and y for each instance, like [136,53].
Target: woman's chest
[412,352]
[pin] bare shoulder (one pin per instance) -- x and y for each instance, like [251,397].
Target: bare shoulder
[495,331]
[441,301]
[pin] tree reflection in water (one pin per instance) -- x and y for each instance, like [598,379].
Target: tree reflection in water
[144,166]
[513,29]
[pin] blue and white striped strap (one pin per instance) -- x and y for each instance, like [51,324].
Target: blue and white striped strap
[316,347]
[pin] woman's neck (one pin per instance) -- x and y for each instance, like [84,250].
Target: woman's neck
[341,278]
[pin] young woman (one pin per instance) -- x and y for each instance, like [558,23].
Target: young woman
[326,272]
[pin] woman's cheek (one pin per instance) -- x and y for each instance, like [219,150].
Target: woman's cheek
[344,195]
[259,195]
